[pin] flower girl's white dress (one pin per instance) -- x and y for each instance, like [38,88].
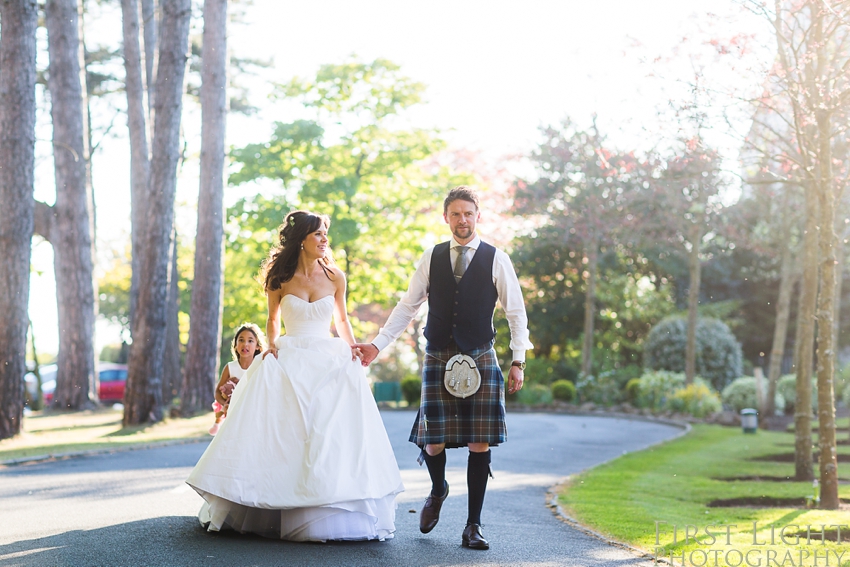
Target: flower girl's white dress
[303,454]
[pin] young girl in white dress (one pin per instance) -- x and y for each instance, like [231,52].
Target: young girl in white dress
[246,344]
[303,454]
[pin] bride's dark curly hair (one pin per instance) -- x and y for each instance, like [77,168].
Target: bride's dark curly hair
[282,261]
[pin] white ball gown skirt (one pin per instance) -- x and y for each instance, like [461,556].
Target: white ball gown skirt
[303,454]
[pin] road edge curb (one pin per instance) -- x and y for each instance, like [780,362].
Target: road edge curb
[104,451]
[558,511]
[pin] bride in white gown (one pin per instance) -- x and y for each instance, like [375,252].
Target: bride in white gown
[303,454]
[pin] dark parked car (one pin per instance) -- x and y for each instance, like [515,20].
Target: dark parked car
[113,378]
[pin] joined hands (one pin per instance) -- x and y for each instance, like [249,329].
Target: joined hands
[366,352]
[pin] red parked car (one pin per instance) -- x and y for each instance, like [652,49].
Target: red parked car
[113,378]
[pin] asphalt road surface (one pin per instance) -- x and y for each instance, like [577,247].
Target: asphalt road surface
[133,509]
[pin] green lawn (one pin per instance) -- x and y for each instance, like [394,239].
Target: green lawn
[841,425]
[56,433]
[663,493]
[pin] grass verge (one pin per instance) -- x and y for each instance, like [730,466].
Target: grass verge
[674,482]
[54,433]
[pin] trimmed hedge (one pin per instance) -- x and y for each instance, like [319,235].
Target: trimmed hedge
[411,389]
[563,390]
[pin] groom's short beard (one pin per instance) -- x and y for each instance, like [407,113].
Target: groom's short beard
[462,232]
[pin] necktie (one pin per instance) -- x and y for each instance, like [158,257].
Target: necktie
[462,262]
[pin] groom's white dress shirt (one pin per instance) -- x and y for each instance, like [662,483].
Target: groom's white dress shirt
[507,288]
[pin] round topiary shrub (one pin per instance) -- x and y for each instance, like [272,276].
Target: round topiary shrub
[411,389]
[741,393]
[786,387]
[718,352]
[535,395]
[563,390]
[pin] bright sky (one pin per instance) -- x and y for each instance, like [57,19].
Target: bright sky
[496,71]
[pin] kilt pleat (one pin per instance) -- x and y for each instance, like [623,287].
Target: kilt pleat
[443,418]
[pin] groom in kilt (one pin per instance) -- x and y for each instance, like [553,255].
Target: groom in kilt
[462,279]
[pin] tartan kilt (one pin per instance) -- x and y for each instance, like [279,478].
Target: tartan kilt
[444,418]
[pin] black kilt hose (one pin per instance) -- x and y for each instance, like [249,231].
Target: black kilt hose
[444,418]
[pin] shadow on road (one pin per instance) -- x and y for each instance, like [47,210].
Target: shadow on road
[180,541]
[112,491]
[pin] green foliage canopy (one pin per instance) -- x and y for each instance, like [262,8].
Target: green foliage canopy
[355,160]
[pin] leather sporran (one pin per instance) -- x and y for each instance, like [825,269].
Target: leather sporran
[462,378]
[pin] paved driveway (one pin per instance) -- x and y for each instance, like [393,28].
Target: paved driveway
[132,508]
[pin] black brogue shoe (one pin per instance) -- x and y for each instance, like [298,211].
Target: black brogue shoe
[473,538]
[430,514]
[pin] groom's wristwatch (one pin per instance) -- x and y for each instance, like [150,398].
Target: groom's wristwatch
[518,364]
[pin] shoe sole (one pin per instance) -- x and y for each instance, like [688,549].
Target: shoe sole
[466,544]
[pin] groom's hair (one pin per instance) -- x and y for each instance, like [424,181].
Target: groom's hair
[462,192]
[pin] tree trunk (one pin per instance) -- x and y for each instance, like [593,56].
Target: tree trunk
[139,159]
[840,260]
[826,360]
[88,148]
[150,25]
[798,328]
[18,22]
[76,380]
[806,323]
[839,278]
[695,271]
[589,308]
[172,373]
[783,311]
[144,382]
[828,461]
[202,355]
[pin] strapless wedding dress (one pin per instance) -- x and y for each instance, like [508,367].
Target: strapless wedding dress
[303,454]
